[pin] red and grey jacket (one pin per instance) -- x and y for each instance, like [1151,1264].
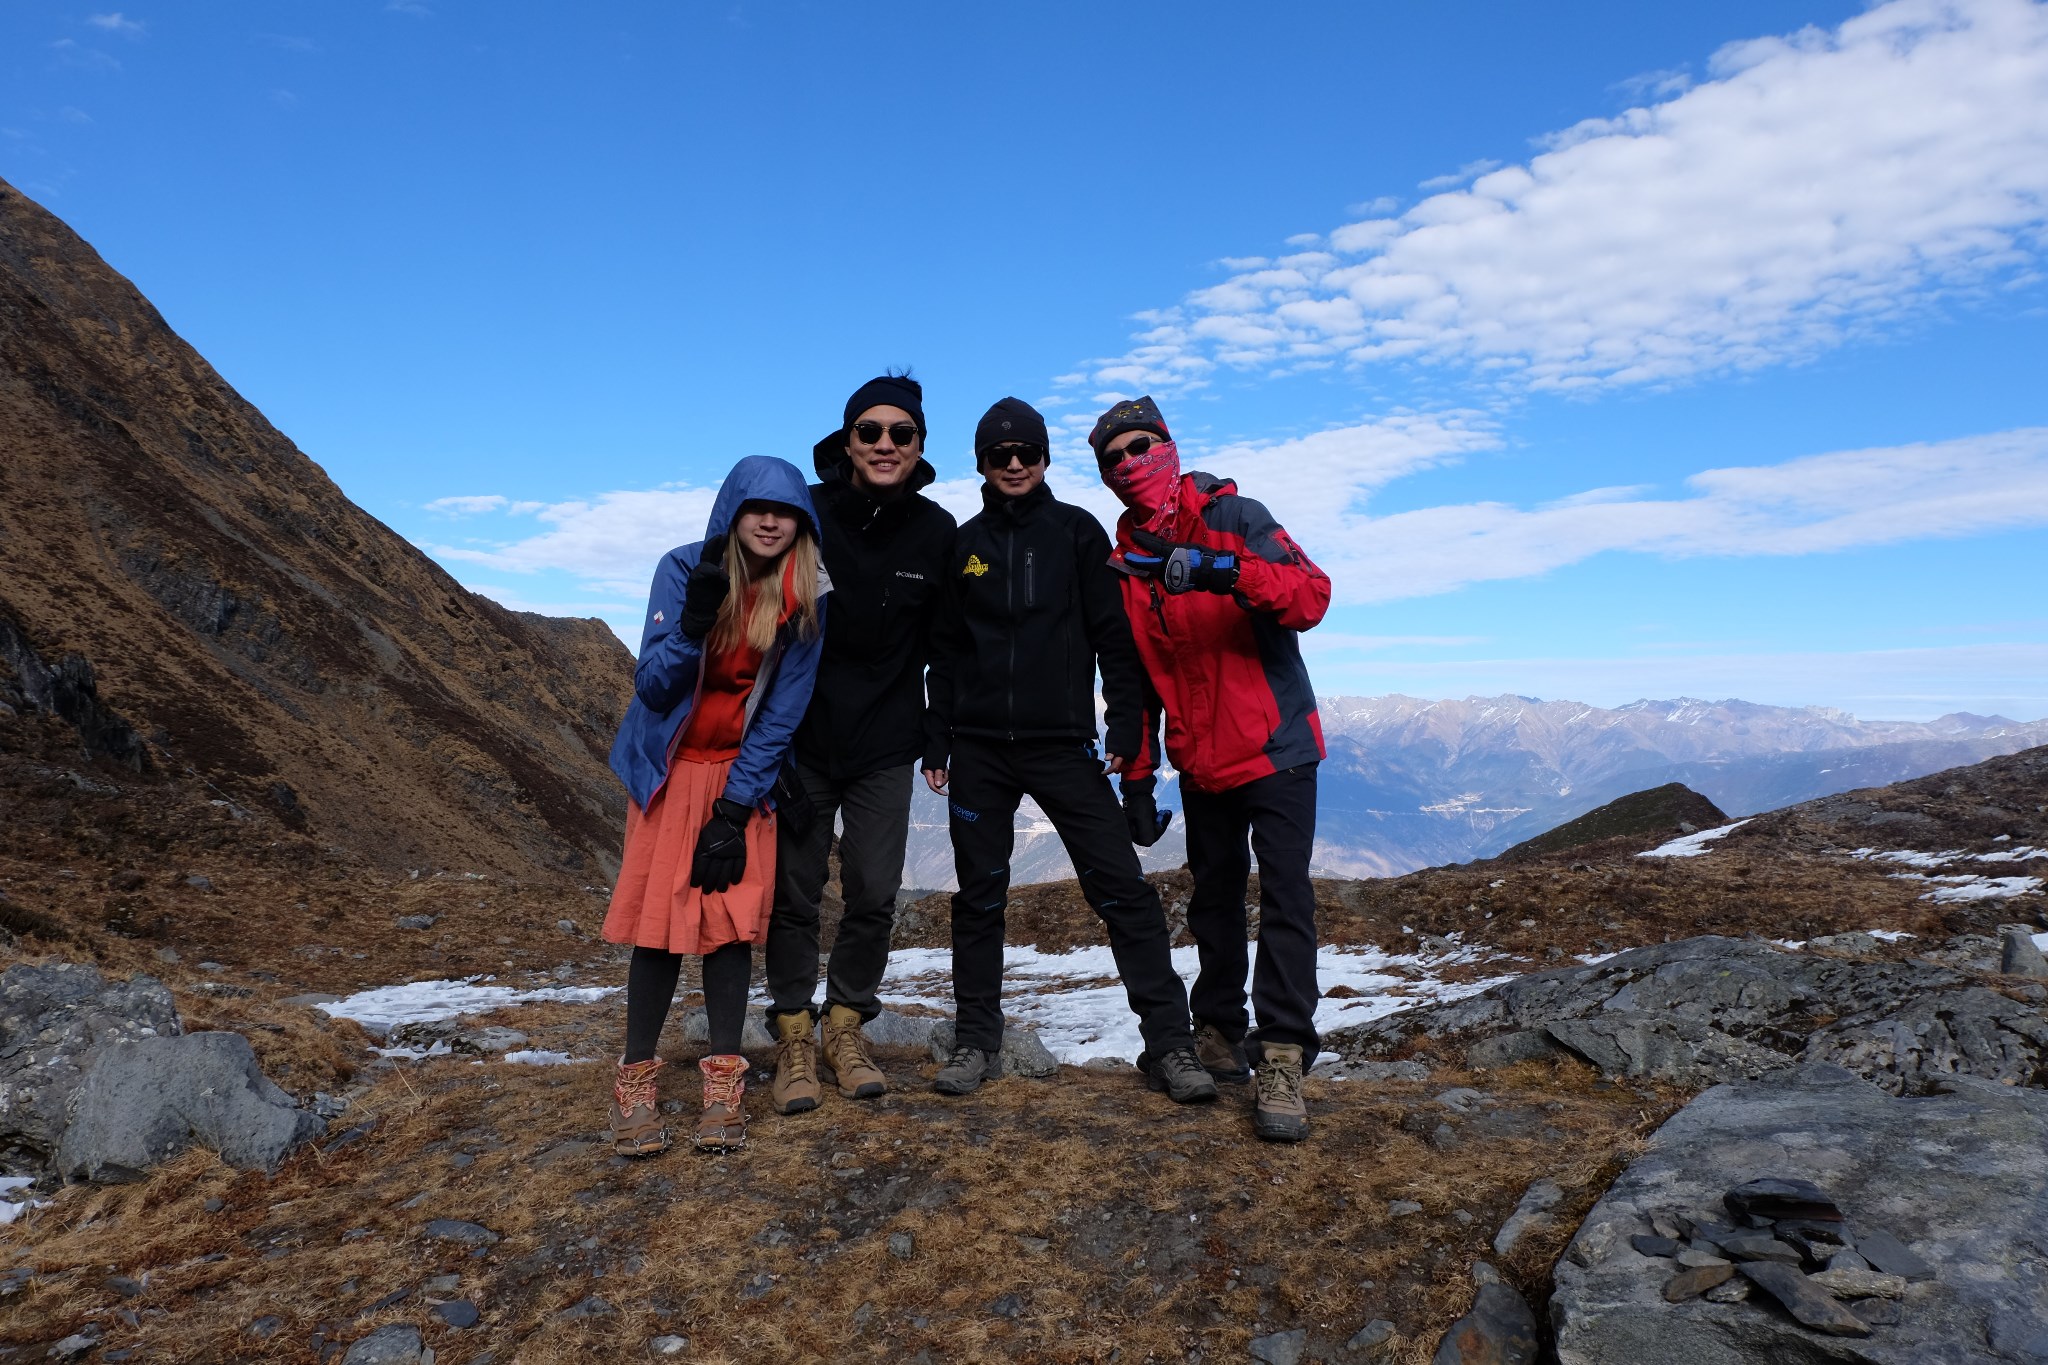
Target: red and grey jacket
[1227,670]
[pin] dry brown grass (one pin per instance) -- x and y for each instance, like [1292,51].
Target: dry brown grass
[1146,1209]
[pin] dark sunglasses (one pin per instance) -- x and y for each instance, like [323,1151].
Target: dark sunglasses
[870,433]
[1137,447]
[999,458]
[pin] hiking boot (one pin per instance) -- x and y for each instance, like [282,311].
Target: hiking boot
[637,1129]
[723,1125]
[846,1056]
[1280,1114]
[1181,1075]
[794,1089]
[1219,1055]
[966,1069]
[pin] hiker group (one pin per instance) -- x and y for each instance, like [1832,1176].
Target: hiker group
[825,642]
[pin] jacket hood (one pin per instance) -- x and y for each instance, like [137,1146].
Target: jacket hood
[767,479]
[834,465]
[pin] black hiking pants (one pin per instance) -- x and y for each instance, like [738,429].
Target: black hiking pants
[876,809]
[1278,813]
[989,778]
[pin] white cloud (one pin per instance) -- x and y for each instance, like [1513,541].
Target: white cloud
[1816,504]
[467,506]
[118,22]
[611,541]
[1817,188]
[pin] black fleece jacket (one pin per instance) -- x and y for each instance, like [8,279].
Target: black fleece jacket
[887,560]
[1030,609]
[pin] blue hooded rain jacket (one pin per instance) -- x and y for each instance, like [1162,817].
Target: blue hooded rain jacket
[665,681]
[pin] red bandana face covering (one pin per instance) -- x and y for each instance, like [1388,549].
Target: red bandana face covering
[1146,483]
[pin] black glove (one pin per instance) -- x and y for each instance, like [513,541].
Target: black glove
[705,591]
[722,848]
[1181,567]
[1141,811]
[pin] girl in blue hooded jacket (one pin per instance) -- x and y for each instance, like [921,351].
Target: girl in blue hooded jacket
[728,656]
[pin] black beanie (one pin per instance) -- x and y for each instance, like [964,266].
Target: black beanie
[896,390]
[1133,414]
[1012,420]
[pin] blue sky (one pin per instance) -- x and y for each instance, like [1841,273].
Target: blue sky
[1598,351]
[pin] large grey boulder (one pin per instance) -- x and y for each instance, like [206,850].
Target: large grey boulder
[1706,1010]
[149,1099]
[1961,1178]
[54,1020]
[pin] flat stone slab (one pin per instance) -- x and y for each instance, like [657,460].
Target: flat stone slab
[1959,1180]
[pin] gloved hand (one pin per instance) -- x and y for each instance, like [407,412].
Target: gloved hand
[1182,567]
[1141,811]
[705,591]
[721,857]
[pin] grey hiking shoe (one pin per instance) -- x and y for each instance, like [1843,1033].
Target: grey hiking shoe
[1224,1059]
[1181,1075]
[966,1069]
[1280,1114]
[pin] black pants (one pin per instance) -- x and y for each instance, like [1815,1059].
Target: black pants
[1279,814]
[876,808]
[989,778]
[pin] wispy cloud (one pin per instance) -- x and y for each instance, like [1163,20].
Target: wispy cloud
[70,52]
[412,7]
[1817,188]
[118,22]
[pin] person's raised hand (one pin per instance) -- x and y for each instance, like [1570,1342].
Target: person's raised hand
[705,591]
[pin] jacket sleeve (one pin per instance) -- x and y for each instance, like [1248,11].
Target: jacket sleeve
[946,646]
[775,720]
[1109,635]
[667,671]
[1273,575]
[1145,762]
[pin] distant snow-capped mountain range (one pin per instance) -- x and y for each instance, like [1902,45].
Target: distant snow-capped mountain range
[1412,783]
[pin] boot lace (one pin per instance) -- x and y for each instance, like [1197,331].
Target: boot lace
[849,1050]
[796,1060]
[633,1087]
[965,1056]
[725,1085]
[1279,1084]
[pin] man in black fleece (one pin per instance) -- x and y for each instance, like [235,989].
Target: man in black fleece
[885,550]
[1029,609]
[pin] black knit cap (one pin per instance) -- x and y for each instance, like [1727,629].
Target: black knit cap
[1011,420]
[1132,414]
[896,390]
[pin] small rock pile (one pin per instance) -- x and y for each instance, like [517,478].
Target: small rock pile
[1789,1239]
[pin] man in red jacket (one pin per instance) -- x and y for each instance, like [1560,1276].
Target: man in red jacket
[1218,594]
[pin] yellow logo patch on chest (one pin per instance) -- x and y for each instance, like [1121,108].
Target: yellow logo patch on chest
[974,566]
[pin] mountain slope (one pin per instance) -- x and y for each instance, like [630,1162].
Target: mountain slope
[252,624]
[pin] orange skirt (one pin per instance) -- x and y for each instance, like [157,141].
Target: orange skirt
[654,905]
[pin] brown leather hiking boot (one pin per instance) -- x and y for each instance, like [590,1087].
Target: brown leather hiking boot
[1280,1114]
[637,1129]
[846,1056]
[1222,1058]
[795,1087]
[723,1125]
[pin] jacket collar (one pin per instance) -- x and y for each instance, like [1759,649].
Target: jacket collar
[1000,504]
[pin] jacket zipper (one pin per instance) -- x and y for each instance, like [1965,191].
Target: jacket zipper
[1010,606]
[1159,608]
[1030,578]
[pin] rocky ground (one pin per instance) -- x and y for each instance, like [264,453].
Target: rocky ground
[468,1198]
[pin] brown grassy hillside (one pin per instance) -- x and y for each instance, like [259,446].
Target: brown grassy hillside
[253,625]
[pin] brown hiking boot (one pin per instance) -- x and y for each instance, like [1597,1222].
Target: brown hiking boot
[637,1129]
[723,1125]
[1280,1114]
[1221,1057]
[846,1056]
[795,1087]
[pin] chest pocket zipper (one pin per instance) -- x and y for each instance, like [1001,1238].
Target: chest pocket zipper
[1030,577]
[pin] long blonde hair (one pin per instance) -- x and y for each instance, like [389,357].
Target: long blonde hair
[793,574]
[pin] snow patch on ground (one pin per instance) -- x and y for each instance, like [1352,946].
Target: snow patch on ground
[1959,887]
[1888,935]
[12,1208]
[534,1056]
[1077,1005]
[1693,845]
[1910,858]
[421,1002]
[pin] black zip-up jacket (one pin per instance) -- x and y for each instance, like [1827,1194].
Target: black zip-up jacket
[1030,609]
[886,560]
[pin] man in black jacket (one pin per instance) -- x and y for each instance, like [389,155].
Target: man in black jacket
[885,550]
[1030,608]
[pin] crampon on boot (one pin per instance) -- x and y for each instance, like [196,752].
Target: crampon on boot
[637,1129]
[722,1127]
